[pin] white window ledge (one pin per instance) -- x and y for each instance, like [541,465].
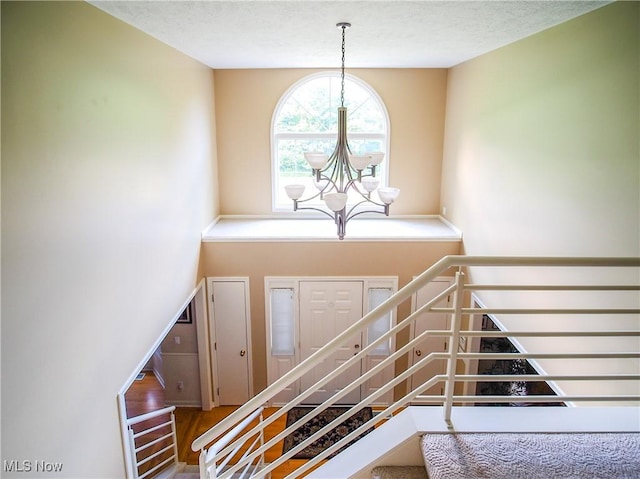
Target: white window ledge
[248,228]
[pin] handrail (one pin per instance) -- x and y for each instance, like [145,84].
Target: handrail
[240,419]
[207,437]
[150,415]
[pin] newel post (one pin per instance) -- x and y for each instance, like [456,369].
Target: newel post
[456,320]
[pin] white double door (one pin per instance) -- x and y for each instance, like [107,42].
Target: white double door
[328,308]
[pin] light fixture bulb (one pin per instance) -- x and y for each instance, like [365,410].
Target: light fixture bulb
[335,201]
[388,195]
[369,183]
[359,162]
[294,192]
[321,185]
[376,157]
[317,160]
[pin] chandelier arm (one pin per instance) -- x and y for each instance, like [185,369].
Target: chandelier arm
[371,174]
[331,162]
[351,216]
[310,198]
[351,184]
[333,165]
[309,208]
[351,171]
[344,172]
[367,197]
[376,203]
[354,184]
[365,201]
[330,182]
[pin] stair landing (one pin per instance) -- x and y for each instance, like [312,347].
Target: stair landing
[397,442]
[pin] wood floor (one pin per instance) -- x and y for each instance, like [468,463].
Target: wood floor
[147,395]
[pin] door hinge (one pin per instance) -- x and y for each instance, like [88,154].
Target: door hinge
[212,300]
[215,346]
[218,391]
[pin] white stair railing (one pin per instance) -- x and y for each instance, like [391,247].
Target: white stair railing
[460,267]
[153,443]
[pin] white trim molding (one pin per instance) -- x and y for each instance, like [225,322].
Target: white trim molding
[281,228]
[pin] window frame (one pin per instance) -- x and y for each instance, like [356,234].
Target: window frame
[383,173]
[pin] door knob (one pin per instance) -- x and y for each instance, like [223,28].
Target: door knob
[356,346]
[243,352]
[418,352]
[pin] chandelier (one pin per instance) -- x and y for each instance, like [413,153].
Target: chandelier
[340,174]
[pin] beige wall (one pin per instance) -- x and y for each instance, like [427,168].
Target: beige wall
[245,103]
[541,148]
[542,155]
[257,260]
[108,178]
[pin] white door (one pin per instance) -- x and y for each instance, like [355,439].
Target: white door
[231,340]
[327,308]
[430,321]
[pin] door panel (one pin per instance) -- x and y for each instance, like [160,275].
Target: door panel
[231,340]
[282,337]
[326,310]
[433,344]
[376,296]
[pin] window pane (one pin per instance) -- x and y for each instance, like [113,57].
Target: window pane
[377,296]
[282,322]
[313,107]
[360,147]
[365,117]
[291,154]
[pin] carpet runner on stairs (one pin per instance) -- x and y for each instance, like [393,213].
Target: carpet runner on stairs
[532,456]
[399,472]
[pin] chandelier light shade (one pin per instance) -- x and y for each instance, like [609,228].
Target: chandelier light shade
[341,173]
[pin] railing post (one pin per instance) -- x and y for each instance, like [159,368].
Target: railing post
[452,360]
[202,461]
[261,439]
[132,449]
[175,438]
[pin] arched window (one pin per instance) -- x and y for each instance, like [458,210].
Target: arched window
[306,119]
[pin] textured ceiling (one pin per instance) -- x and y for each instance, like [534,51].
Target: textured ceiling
[299,34]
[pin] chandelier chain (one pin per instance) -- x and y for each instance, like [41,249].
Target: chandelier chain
[344,27]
